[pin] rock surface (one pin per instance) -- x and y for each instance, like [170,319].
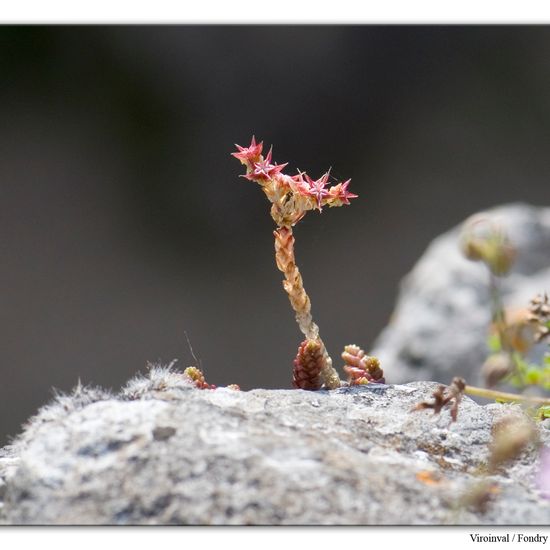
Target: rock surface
[162,452]
[440,323]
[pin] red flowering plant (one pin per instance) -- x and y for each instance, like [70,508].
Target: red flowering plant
[291,198]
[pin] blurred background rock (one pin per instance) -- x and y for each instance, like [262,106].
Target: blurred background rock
[123,222]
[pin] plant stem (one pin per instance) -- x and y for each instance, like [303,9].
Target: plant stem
[498,313]
[503,396]
[299,300]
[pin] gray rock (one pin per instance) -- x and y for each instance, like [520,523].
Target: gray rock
[440,323]
[162,452]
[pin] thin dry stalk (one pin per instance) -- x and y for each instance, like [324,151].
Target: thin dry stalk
[299,300]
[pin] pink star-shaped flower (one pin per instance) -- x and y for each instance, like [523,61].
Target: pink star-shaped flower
[317,188]
[249,154]
[264,170]
[339,193]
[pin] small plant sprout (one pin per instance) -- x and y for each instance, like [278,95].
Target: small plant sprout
[195,375]
[513,332]
[360,367]
[443,396]
[484,240]
[308,365]
[291,198]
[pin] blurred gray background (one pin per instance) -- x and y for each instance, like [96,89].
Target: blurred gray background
[123,222]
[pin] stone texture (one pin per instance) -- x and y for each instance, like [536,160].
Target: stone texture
[162,452]
[440,323]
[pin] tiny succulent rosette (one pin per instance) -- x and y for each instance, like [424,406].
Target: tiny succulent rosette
[196,377]
[360,367]
[308,366]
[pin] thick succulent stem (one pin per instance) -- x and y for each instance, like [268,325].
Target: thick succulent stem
[299,300]
[293,284]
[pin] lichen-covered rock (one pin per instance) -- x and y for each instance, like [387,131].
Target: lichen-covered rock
[163,452]
[440,323]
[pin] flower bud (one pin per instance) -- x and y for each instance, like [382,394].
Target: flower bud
[496,367]
[483,240]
